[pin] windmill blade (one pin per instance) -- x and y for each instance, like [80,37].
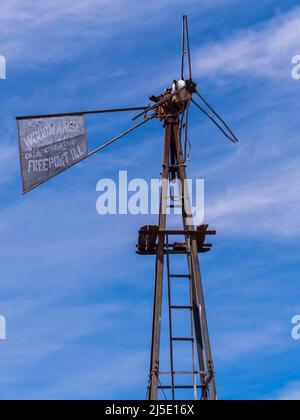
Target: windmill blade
[221,120]
[87,155]
[82,113]
[183,129]
[187,156]
[232,139]
[186,51]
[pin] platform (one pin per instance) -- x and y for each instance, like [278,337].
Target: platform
[148,239]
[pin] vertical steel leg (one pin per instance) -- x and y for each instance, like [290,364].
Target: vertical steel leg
[199,317]
[199,311]
[159,273]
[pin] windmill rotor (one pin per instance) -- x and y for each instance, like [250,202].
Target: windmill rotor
[182,93]
[185,51]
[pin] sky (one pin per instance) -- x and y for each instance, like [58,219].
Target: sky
[76,297]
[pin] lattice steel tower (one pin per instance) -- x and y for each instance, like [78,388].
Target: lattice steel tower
[172,107]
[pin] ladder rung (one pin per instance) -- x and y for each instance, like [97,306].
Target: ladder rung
[180,276]
[182,387]
[175,206]
[182,339]
[181,307]
[183,372]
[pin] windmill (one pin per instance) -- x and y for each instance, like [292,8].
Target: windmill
[50,144]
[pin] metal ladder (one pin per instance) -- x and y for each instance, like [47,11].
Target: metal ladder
[173,307]
[194,243]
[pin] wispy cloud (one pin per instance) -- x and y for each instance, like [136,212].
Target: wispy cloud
[8,163]
[291,392]
[244,343]
[251,203]
[263,50]
[49,334]
[101,381]
[34,31]
[66,272]
[58,329]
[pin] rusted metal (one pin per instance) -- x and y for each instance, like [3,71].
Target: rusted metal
[82,113]
[159,271]
[167,96]
[50,144]
[231,135]
[154,230]
[154,240]
[186,51]
[171,307]
[148,237]
[170,102]
[199,311]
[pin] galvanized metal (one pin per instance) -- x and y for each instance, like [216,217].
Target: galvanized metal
[48,146]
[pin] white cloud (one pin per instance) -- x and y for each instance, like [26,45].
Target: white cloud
[54,328]
[240,344]
[8,163]
[264,50]
[35,34]
[291,392]
[267,204]
[104,380]
[6,155]
[31,31]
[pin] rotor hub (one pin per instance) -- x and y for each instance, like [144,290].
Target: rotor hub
[180,96]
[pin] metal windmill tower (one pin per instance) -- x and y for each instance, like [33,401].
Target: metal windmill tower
[50,144]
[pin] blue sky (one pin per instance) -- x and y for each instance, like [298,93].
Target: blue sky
[77,299]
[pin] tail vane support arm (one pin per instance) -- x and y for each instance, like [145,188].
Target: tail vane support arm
[101,148]
[161,102]
[82,113]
